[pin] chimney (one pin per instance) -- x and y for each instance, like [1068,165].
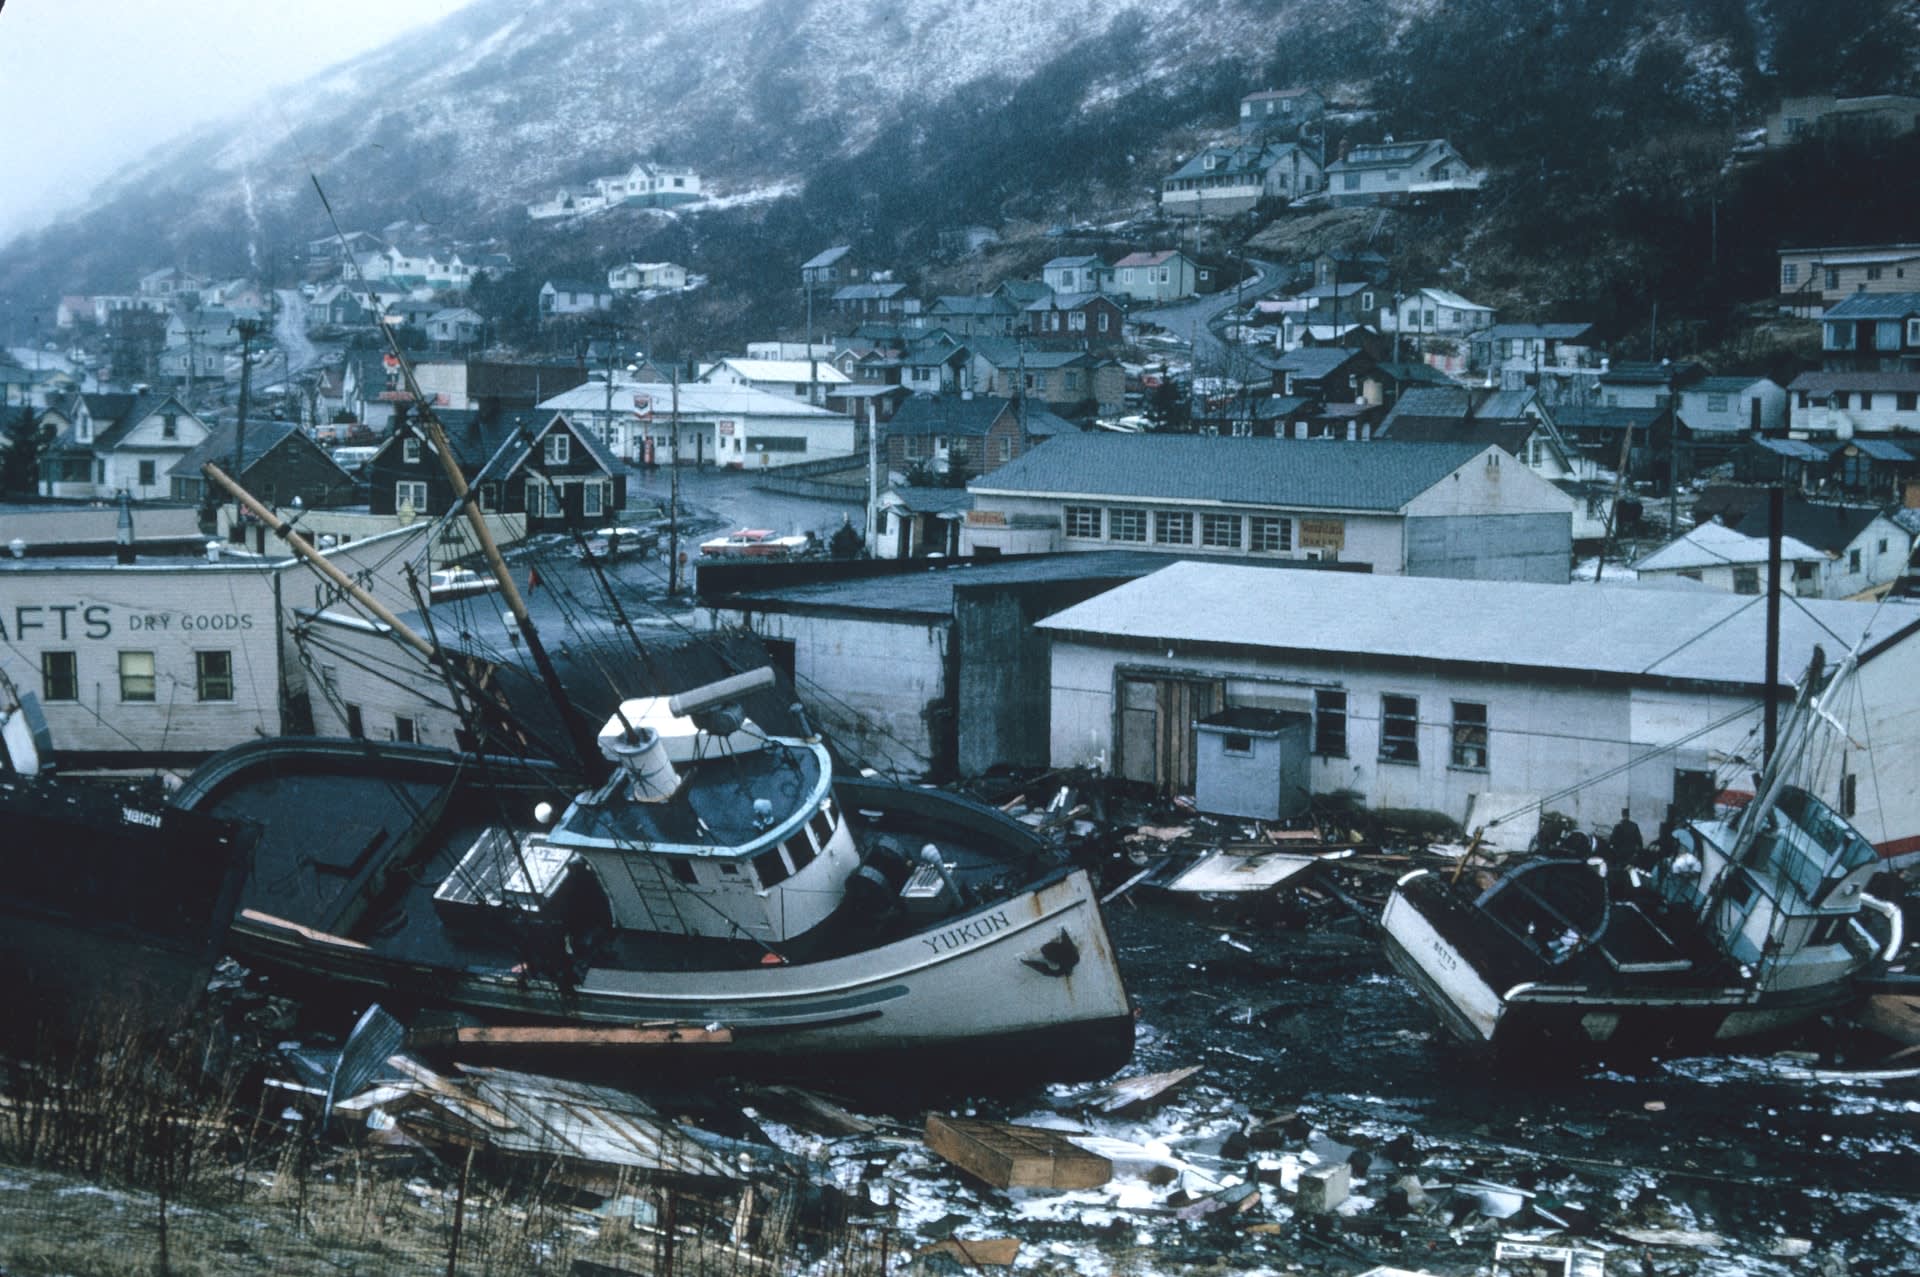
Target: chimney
[123,531]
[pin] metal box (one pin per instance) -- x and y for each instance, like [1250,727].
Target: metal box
[1252,763]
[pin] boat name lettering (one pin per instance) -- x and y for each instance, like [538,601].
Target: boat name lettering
[132,816]
[967,932]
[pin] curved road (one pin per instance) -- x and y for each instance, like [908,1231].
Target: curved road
[1193,320]
[290,331]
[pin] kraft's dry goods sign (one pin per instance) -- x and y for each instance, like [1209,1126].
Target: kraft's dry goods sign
[76,622]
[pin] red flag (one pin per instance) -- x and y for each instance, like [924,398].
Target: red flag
[533,580]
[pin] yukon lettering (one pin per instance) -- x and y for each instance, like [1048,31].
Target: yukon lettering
[967,932]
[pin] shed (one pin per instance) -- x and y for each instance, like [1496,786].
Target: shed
[1252,762]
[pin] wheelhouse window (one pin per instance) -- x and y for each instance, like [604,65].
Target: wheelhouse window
[60,676]
[1083,522]
[1470,735]
[1399,729]
[1330,723]
[136,676]
[213,675]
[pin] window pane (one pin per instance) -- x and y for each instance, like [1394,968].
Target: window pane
[1220,531]
[1128,525]
[213,675]
[1469,735]
[1173,527]
[136,676]
[60,676]
[1399,729]
[1330,723]
[1270,534]
[1083,521]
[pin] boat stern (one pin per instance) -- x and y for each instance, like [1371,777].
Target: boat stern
[1416,938]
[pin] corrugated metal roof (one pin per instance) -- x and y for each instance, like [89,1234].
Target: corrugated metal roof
[929,592]
[1323,474]
[1653,634]
[1875,306]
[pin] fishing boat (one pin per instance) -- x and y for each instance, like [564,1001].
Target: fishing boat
[114,904]
[757,543]
[1744,926]
[722,889]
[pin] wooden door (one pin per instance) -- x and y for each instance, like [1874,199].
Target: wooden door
[1156,737]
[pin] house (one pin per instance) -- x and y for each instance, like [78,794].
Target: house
[533,463]
[1436,312]
[719,423]
[1872,332]
[1864,548]
[913,521]
[338,306]
[168,283]
[566,201]
[1168,275]
[1723,559]
[1330,374]
[991,315]
[1519,355]
[1812,279]
[1429,509]
[1280,110]
[1797,464]
[1725,408]
[1878,116]
[560,297]
[410,313]
[874,300]
[1072,382]
[280,465]
[830,268]
[925,668]
[936,366]
[456,326]
[478,383]
[631,277]
[1222,181]
[107,444]
[1842,405]
[808,380]
[1396,172]
[964,434]
[1082,274]
[1605,433]
[650,186]
[1877,469]
[1090,320]
[1646,385]
[1575,697]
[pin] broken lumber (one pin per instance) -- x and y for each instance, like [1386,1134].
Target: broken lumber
[1126,1093]
[1003,1155]
[977,1252]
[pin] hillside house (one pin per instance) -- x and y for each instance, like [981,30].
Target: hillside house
[1639,384]
[937,366]
[563,297]
[279,465]
[1845,405]
[1436,312]
[1812,279]
[1397,172]
[111,443]
[1069,381]
[650,186]
[1152,277]
[567,201]
[1420,509]
[1329,374]
[632,277]
[338,306]
[1222,181]
[1280,110]
[455,326]
[967,435]
[1878,116]
[1864,548]
[991,315]
[1733,406]
[808,380]
[1091,320]
[1082,274]
[874,301]
[733,425]
[1520,354]
[1872,332]
[831,268]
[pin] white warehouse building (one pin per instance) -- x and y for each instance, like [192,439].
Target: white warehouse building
[1477,698]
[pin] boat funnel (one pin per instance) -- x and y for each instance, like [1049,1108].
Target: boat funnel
[642,756]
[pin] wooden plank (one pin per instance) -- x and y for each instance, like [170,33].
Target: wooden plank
[1008,1156]
[977,1252]
[1130,1091]
[1221,872]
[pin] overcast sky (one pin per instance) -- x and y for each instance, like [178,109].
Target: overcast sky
[89,85]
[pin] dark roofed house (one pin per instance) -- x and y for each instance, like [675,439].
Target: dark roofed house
[1280,110]
[279,465]
[1878,331]
[965,434]
[1840,405]
[532,462]
[874,300]
[1088,320]
[992,315]
[104,444]
[1437,509]
[1600,431]
[1865,548]
[1395,172]
[1331,374]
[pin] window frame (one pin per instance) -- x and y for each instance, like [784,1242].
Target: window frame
[70,677]
[130,680]
[1162,519]
[410,450]
[1075,519]
[1129,524]
[1399,728]
[1213,519]
[1469,733]
[1325,714]
[593,500]
[403,491]
[1279,524]
[557,448]
[207,684]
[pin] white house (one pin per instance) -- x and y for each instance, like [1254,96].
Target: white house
[1436,312]
[1840,405]
[106,444]
[1734,405]
[566,201]
[455,326]
[1719,557]
[1391,172]
[1221,181]
[1433,509]
[808,380]
[1474,699]
[719,424]
[1168,275]
[1082,274]
[559,297]
[1863,548]
[630,277]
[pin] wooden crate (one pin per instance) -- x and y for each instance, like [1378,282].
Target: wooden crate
[1008,1156]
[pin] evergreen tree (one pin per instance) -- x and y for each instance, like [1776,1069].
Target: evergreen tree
[20,453]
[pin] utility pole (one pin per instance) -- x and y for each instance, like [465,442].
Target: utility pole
[873,484]
[248,330]
[673,498]
[1673,455]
